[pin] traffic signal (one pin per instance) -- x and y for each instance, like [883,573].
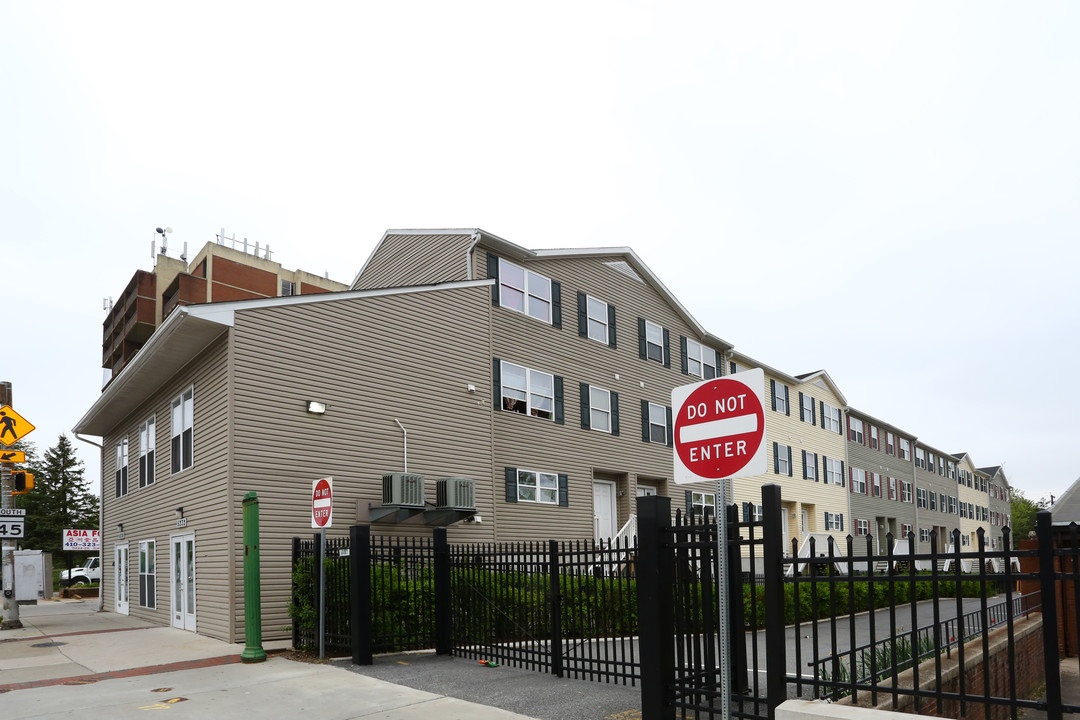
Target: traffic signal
[24,482]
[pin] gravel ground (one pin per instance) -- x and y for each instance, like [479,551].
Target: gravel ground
[528,692]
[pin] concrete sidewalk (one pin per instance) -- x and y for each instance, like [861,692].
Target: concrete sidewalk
[68,656]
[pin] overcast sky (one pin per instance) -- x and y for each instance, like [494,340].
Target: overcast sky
[886,192]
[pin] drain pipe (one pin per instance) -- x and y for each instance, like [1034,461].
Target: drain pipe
[101,521]
[405,442]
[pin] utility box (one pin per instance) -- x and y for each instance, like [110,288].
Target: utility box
[403,490]
[455,493]
[33,575]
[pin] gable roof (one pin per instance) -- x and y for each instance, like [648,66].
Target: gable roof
[1067,508]
[512,251]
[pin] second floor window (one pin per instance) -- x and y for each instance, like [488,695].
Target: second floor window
[147,431]
[830,418]
[700,360]
[183,431]
[527,391]
[525,291]
[122,468]
[856,434]
[653,342]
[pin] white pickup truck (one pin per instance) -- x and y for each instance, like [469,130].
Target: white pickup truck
[88,573]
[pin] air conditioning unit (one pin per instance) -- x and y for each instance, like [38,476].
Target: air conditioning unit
[455,493]
[403,489]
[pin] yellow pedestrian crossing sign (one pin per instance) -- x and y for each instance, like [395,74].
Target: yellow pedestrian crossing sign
[12,456]
[13,426]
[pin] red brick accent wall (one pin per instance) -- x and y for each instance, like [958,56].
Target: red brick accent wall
[221,293]
[258,282]
[309,289]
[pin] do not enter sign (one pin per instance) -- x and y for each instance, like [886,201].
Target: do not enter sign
[720,428]
[322,503]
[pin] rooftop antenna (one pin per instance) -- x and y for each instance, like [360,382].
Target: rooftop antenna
[107,304]
[164,232]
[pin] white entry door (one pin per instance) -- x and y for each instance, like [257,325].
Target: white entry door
[604,514]
[183,581]
[121,574]
[784,536]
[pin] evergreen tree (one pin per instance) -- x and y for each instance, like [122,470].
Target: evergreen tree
[61,499]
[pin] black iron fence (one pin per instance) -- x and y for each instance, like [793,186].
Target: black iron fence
[831,630]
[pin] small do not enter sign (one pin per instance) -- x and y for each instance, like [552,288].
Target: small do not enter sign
[720,428]
[322,503]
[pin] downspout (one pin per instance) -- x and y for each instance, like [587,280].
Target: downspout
[101,521]
[469,260]
[405,442]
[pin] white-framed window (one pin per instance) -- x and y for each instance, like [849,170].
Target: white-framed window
[952,470]
[783,459]
[524,291]
[942,502]
[527,391]
[658,431]
[905,449]
[834,471]
[905,492]
[856,434]
[752,512]
[596,313]
[702,501]
[779,396]
[858,480]
[700,360]
[599,409]
[952,505]
[924,535]
[121,474]
[147,440]
[905,529]
[834,521]
[965,541]
[538,487]
[147,574]
[808,410]
[920,458]
[875,484]
[932,496]
[862,527]
[654,342]
[893,494]
[809,461]
[183,430]
[890,443]
[963,510]
[929,461]
[830,418]
[921,498]
[873,437]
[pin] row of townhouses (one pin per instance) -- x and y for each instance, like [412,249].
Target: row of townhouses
[543,376]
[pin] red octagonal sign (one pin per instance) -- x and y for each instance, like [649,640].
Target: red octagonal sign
[322,503]
[720,428]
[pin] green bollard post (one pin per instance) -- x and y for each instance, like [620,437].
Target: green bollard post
[253,652]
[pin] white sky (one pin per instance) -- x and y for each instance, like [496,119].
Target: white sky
[805,177]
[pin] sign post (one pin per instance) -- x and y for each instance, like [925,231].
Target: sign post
[719,435]
[322,517]
[12,427]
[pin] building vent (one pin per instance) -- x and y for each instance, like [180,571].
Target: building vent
[403,489]
[455,493]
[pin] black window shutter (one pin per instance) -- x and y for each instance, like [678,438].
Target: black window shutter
[496,382]
[611,325]
[841,516]
[843,477]
[787,401]
[800,404]
[667,348]
[584,406]
[824,469]
[775,458]
[790,469]
[804,473]
[493,272]
[731,368]
[816,468]
[511,484]
[642,349]
[564,490]
[772,393]
[582,315]
[646,435]
[556,304]
[689,501]
[747,516]
[614,413]
[685,365]
[813,412]
[560,405]
[670,432]
[822,413]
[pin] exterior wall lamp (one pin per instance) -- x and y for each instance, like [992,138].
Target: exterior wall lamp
[315,407]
